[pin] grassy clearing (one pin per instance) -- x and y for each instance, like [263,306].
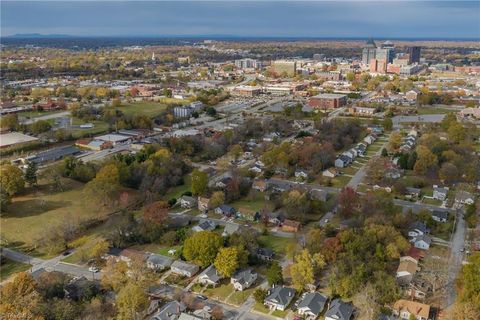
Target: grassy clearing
[36,114]
[254,205]
[146,108]
[219,293]
[10,267]
[32,215]
[277,244]
[158,249]
[433,110]
[259,307]
[178,280]
[239,297]
[349,170]
[340,181]
[99,127]
[280,314]
[176,192]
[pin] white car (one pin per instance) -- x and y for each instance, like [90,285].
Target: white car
[326,220]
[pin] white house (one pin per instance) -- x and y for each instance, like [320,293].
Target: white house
[279,297]
[243,279]
[440,193]
[209,276]
[184,268]
[311,304]
[422,242]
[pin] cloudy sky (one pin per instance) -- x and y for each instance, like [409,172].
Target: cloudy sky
[391,19]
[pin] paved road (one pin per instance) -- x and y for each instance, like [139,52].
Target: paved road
[362,172]
[53,264]
[456,257]
[48,116]
[426,118]
[99,155]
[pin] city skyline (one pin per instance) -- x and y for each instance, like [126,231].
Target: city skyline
[326,19]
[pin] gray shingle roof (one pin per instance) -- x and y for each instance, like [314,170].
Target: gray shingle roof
[280,295]
[339,310]
[313,301]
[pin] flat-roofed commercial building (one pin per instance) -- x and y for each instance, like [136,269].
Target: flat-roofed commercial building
[327,101]
[248,91]
[288,67]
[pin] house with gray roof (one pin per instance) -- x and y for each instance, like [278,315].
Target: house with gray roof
[440,216]
[417,229]
[184,268]
[243,279]
[158,262]
[209,276]
[339,310]
[230,228]
[279,297]
[422,242]
[206,225]
[187,202]
[311,304]
[440,193]
[170,311]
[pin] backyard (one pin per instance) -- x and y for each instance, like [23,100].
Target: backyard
[10,267]
[277,244]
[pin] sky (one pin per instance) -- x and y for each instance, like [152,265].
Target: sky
[383,19]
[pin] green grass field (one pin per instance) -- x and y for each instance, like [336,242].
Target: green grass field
[33,215]
[147,108]
[433,110]
[239,297]
[10,267]
[221,292]
[36,114]
[277,244]
[99,127]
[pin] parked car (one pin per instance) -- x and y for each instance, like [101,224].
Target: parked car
[93,269]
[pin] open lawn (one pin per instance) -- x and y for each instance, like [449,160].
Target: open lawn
[277,244]
[433,110]
[99,127]
[146,108]
[175,279]
[158,249]
[10,267]
[349,170]
[36,114]
[221,292]
[340,181]
[239,297]
[35,214]
[176,192]
[280,314]
[253,205]
[259,307]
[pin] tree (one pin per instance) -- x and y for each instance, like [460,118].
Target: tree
[387,124]
[274,273]
[259,295]
[106,184]
[100,249]
[131,300]
[348,201]
[217,199]
[457,133]
[9,122]
[448,173]
[156,213]
[304,269]
[40,126]
[199,182]
[11,179]
[202,247]
[50,284]
[227,261]
[394,142]
[426,160]
[31,174]
[115,275]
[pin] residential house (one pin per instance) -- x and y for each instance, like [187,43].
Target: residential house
[422,242]
[419,288]
[311,304]
[187,316]
[415,253]
[226,210]
[369,139]
[350,155]
[406,270]
[440,216]
[158,262]
[129,255]
[330,173]
[405,308]
[206,225]
[361,148]
[290,225]
[259,185]
[440,193]
[417,229]
[255,169]
[276,217]
[300,174]
[413,192]
[230,228]
[464,197]
[339,310]
[265,254]
[412,95]
[170,311]
[209,277]
[342,161]
[279,297]
[187,202]
[223,182]
[279,185]
[184,268]
[203,204]
[81,288]
[243,279]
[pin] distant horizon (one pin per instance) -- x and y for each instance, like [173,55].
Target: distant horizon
[245,19]
[227,37]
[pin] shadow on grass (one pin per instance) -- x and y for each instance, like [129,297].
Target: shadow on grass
[32,207]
